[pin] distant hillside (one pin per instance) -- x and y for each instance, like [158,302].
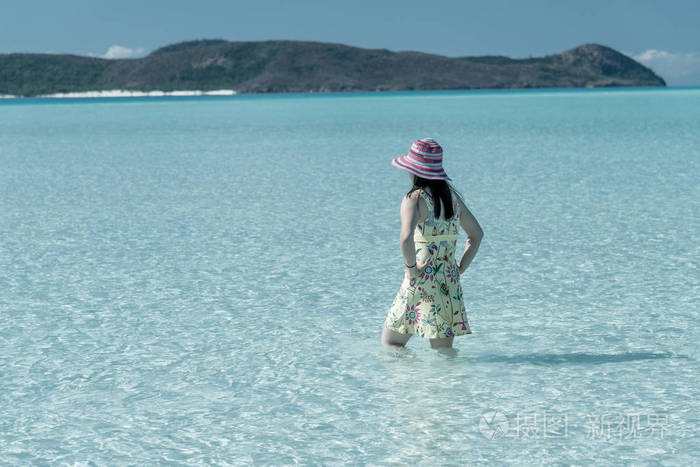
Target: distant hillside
[301,66]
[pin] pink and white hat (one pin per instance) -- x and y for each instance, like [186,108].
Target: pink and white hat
[424,160]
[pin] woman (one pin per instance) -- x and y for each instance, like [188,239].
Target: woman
[429,302]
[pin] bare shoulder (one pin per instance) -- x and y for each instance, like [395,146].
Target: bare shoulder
[460,203]
[416,201]
[414,196]
[468,221]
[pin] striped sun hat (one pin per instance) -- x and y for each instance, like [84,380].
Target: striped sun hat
[424,160]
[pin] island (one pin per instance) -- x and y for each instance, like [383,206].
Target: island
[218,66]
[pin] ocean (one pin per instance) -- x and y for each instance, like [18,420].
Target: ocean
[204,280]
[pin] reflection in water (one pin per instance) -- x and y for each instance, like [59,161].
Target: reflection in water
[430,408]
[408,352]
[395,352]
[447,352]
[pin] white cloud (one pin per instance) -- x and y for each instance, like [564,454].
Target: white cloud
[118,51]
[676,68]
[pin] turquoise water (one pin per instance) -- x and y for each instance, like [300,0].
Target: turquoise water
[204,280]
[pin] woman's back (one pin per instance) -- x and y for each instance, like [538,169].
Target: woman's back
[432,225]
[433,306]
[429,302]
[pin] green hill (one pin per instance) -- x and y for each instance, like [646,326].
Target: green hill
[304,66]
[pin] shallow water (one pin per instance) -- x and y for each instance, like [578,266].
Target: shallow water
[204,280]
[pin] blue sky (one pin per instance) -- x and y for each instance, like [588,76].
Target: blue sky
[664,35]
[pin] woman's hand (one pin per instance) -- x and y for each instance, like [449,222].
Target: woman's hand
[414,272]
[460,267]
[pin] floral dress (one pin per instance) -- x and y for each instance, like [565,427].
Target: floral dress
[432,304]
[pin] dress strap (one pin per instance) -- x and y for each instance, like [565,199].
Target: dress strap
[431,207]
[428,203]
[426,196]
[455,204]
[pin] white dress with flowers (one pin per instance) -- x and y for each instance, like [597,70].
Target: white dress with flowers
[432,306]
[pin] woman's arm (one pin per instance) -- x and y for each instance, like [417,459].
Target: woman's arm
[410,216]
[474,235]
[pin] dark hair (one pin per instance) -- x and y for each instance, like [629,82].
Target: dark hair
[440,189]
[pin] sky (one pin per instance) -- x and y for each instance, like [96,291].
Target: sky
[661,34]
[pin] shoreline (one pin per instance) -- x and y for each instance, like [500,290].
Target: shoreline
[126,93]
[230,92]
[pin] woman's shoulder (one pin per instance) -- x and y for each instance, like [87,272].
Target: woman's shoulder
[416,195]
[425,193]
[421,200]
[413,195]
[425,198]
[457,198]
